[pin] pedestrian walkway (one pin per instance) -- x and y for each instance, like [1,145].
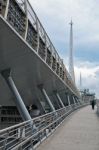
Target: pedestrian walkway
[80,131]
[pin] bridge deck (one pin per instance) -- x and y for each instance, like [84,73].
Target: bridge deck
[80,131]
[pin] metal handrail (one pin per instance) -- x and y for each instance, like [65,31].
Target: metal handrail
[17,135]
[20,124]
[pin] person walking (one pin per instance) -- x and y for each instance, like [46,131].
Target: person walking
[93,104]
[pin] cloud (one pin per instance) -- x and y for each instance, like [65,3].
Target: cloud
[55,17]
[89,73]
[90,76]
[57,14]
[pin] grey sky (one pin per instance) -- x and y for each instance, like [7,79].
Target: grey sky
[55,17]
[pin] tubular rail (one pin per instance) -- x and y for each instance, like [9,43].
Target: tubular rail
[21,136]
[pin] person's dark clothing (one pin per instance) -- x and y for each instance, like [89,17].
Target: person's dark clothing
[93,104]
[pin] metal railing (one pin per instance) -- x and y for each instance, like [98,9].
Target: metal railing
[22,136]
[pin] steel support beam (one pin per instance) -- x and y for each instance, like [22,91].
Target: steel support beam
[18,100]
[74,100]
[78,101]
[46,97]
[68,100]
[59,99]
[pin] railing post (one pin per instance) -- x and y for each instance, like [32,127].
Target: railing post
[51,57]
[18,100]
[46,97]
[26,12]
[45,48]
[6,10]
[59,99]
[38,41]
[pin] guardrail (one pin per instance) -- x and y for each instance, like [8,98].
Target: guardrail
[22,136]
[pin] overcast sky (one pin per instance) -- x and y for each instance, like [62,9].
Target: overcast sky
[55,16]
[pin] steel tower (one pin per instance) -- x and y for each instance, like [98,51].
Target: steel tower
[71,65]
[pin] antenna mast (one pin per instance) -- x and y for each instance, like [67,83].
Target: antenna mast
[71,65]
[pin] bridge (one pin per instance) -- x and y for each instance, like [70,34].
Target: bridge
[31,73]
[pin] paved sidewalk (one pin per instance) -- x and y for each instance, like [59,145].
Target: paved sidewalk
[79,132]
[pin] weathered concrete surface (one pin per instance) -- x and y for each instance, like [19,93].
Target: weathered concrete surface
[79,132]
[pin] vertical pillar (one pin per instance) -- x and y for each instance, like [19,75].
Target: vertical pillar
[45,48]
[6,10]
[51,56]
[59,99]
[46,97]
[79,102]
[71,65]
[68,100]
[74,100]
[26,12]
[18,100]
[38,41]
